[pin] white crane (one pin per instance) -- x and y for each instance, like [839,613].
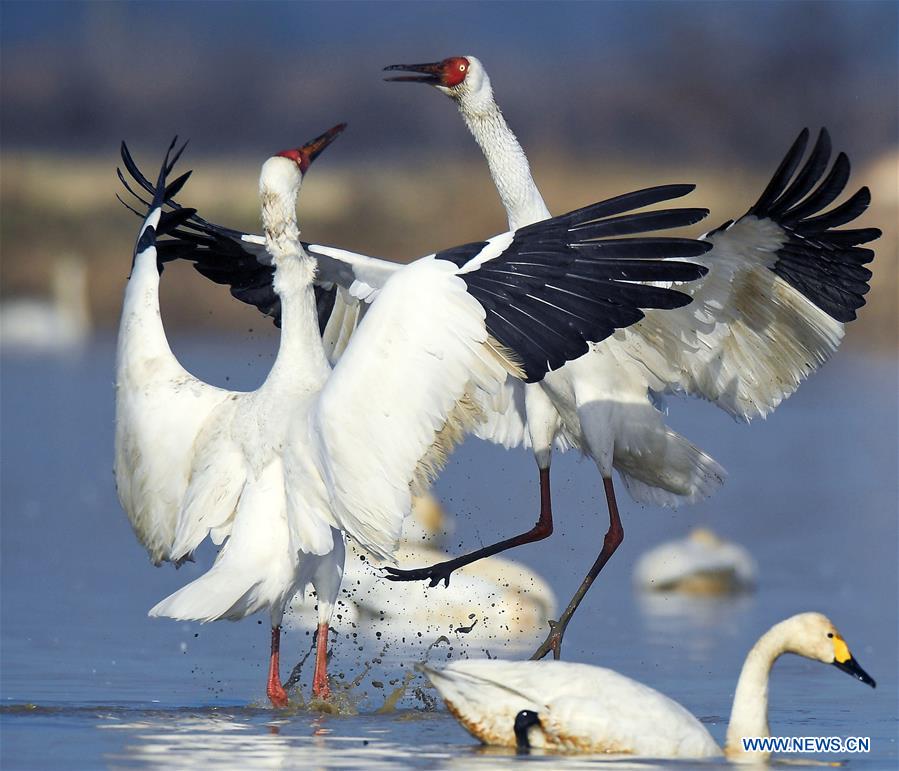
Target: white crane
[219,452]
[433,347]
[581,708]
[780,286]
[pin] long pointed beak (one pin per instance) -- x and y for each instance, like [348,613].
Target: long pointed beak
[313,149]
[431,73]
[851,667]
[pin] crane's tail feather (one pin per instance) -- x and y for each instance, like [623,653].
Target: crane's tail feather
[675,472]
[212,597]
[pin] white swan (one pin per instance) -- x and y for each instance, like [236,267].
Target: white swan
[581,708]
[58,324]
[493,600]
[700,564]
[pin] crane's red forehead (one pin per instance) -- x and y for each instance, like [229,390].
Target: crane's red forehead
[297,156]
[455,68]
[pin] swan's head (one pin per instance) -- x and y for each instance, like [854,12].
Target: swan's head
[814,636]
[461,78]
[524,722]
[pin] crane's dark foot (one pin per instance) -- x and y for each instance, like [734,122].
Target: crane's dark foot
[434,574]
[553,641]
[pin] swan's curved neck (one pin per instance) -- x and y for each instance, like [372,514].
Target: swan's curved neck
[508,164]
[749,714]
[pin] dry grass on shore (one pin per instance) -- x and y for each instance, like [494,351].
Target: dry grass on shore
[53,206]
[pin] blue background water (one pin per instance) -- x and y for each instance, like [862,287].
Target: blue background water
[88,680]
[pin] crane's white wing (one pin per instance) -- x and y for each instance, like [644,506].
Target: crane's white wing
[446,326]
[400,397]
[781,285]
[360,275]
[160,407]
[505,418]
[218,474]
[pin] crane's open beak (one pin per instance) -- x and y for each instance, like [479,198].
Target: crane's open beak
[851,667]
[431,73]
[313,149]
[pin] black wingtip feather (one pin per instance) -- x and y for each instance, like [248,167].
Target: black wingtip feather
[216,252]
[130,208]
[783,173]
[818,261]
[175,187]
[574,279]
[805,180]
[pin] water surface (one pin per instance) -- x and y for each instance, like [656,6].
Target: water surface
[89,681]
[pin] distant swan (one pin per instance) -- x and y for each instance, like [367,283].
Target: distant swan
[50,325]
[581,708]
[495,599]
[701,564]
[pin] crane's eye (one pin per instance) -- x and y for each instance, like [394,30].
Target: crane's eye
[461,68]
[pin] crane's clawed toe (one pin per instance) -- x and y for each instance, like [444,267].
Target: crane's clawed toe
[434,574]
[552,643]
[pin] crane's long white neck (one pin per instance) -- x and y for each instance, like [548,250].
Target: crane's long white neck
[301,358]
[749,714]
[508,164]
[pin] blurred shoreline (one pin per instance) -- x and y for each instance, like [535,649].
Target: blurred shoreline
[59,206]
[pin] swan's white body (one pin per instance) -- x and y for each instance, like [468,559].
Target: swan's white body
[493,599]
[700,564]
[583,708]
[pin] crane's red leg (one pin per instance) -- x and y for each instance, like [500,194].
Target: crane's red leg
[441,571]
[320,686]
[613,538]
[276,693]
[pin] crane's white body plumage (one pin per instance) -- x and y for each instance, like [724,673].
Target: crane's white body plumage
[236,471]
[745,343]
[279,473]
[582,708]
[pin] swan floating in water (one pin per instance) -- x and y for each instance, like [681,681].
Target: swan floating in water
[701,564]
[581,708]
[58,324]
[495,599]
